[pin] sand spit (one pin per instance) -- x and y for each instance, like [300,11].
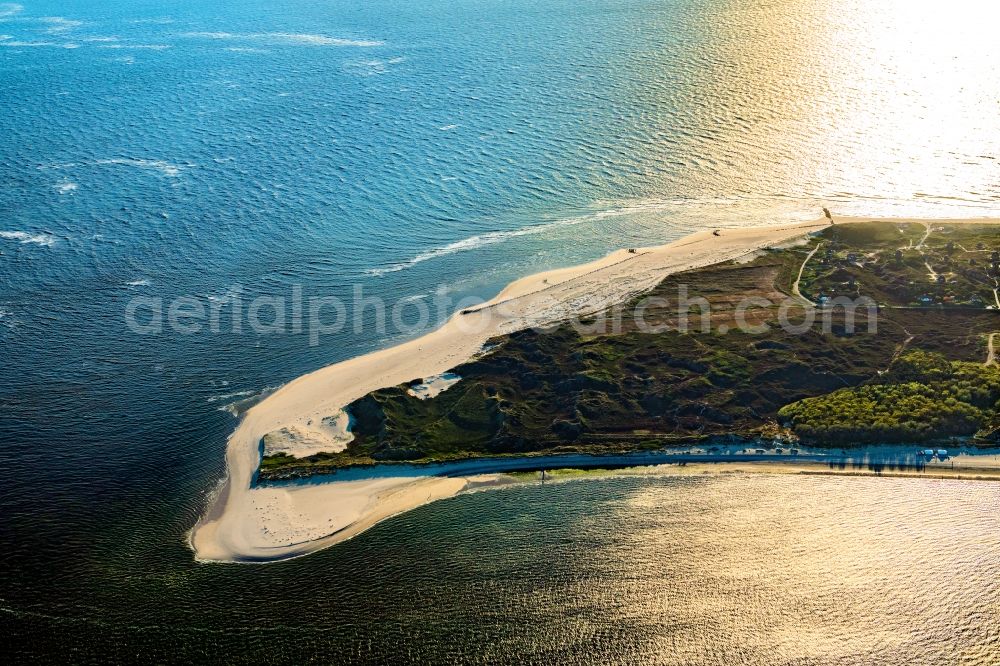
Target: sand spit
[257,524]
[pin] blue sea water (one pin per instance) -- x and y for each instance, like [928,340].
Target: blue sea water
[161,149]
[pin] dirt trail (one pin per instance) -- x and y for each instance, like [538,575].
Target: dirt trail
[927,235]
[802,268]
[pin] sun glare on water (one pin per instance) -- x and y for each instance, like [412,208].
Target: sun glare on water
[888,105]
[929,68]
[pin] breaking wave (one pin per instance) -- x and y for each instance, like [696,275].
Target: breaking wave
[14,43]
[147,47]
[8,9]
[494,237]
[58,24]
[166,168]
[23,237]
[292,37]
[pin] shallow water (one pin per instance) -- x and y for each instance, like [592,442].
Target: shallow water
[411,149]
[716,570]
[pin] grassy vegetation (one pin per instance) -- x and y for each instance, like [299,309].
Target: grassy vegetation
[607,390]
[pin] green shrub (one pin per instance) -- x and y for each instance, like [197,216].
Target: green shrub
[922,397]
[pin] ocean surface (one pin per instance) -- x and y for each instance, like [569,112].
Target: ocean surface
[428,151]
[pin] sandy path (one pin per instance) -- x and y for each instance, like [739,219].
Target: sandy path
[802,268]
[245,523]
[931,273]
[927,234]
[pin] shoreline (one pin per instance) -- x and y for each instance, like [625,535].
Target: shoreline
[990,472]
[244,523]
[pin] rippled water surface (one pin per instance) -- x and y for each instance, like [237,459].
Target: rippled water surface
[425,148]
[715,570]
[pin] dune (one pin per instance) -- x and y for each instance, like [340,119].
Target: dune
[247,523]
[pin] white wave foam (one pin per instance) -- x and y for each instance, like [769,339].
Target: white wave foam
[230,396]
[100,39]
[6,37]
[66,188]
[293,37]
[447,128]
[163,20]
[8,9]
[463,245]
[145,47]
[211,35]
[321,40]
[230,293]
[59,24]
[46,240]
[17,44]
[493,237]
[244,400]
[163,167]
[138,283]
[370,67]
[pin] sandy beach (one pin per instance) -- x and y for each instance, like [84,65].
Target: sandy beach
[258,524]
